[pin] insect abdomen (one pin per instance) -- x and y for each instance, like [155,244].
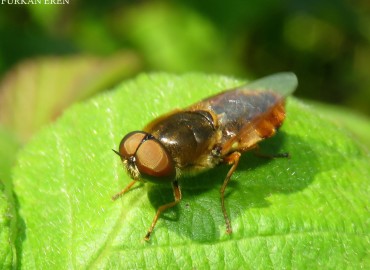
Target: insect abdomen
[271,121]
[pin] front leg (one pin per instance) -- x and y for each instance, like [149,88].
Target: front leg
[177,195]
[232,159]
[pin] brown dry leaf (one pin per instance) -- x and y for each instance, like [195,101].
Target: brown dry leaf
[37,91]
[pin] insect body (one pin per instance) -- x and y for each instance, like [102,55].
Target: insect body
[213,131]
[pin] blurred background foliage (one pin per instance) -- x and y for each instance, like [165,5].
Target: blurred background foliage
[326,43]
[54,55]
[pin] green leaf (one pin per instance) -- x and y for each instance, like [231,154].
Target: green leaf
[9,146]
[356,123]
[309,211]
[7,247]
[8,149]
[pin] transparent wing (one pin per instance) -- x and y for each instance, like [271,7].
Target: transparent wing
[250,113]
[283,83]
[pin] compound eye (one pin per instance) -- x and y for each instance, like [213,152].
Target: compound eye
[130,143]
[152,159]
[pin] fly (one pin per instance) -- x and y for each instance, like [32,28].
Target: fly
[215,130]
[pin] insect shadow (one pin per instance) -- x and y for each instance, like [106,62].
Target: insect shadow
[199,216]
[204,214]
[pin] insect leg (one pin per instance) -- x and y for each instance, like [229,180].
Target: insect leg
[123,191]
[232,159]
[177,195]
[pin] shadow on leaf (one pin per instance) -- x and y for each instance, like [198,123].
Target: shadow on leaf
[252,183]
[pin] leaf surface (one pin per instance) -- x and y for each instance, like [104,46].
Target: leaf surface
[8,149]
[309,211]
